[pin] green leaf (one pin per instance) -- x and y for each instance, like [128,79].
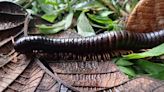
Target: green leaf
[111,25]
[55,28]
[81,5]
[48,9]
[159,75]
[84,27]
[51,31]
[68,20]
[150,67]
[49,17]
[156,51]
[34,9]
[100,19]
[106,13]
[51,2]
[123,62]
[99,26]
[43,26]
[155,70]
[127,70]
[127,7]
[87,5]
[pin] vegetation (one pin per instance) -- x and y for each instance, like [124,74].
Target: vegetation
[138,63]
[93,16]
[90,17]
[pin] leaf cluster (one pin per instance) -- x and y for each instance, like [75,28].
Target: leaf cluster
[88,17]
[138,64]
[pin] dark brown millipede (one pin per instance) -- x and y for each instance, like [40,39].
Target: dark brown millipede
[100,43]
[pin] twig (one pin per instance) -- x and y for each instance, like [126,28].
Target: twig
[25,28]
[10,38]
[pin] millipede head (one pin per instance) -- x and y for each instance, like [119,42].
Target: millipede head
[21,45]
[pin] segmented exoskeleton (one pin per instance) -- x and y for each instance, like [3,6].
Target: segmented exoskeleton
[100,43]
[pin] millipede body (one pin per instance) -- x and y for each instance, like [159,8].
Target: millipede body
[100,43]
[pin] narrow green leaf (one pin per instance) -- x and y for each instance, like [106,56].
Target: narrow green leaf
[81,5]
[43,26]
[48,9]
[159,75]
[84,27]
[100,19]
[150,67]
[68,20]
[99,26]
[127,70]
[156,51]
[61,23]
[127,7]
[106,13]
[51,31]
[51,2]
[49,17]
[55,28]
[87,5]
[123,62]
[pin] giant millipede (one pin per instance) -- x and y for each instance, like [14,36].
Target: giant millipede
[101,43]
